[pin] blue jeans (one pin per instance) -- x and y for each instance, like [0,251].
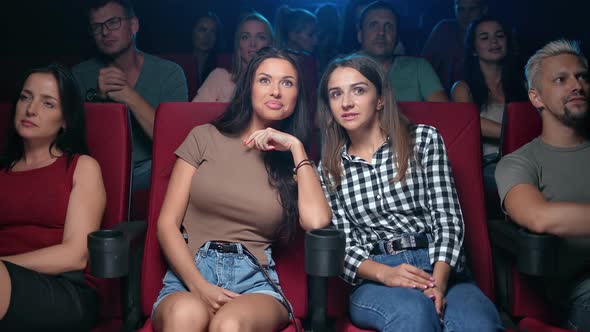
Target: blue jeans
[383,308]
[233,271]
[575,296]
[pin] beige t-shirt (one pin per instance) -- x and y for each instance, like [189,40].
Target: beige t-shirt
[218,87]
[230,197]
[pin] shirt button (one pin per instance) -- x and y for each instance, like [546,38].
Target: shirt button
[373,171]
[379,197]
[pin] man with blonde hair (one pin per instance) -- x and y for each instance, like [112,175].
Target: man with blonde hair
[544,185]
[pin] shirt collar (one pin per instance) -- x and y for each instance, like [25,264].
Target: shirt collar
[346,156]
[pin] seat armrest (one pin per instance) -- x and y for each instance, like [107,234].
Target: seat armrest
[134,231]
[109,249]
[535,254]
[324,257]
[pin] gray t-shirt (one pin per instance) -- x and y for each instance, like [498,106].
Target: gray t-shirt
[562,175]
[159,81]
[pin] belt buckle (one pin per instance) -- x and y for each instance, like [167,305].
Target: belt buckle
[389,248]
[223,247]
[412,241]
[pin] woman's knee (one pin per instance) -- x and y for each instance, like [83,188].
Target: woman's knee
[181,312]
[417,314]
[405,310]
[226,323]
[472,312]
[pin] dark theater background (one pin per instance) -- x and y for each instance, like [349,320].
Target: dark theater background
[37,31]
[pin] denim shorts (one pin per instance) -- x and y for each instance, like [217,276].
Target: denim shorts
[233,271]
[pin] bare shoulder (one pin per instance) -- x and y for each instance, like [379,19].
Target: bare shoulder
[220,73]
[86,167]
[460,92]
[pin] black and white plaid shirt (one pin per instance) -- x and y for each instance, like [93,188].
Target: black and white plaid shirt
[368,208]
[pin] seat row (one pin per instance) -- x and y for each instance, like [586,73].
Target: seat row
[109,142]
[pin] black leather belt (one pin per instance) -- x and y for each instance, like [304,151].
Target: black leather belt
[224,247]
[406,242]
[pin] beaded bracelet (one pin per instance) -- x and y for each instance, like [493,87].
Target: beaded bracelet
[301,164]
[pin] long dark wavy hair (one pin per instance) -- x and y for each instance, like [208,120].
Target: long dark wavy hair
[211,62]
[279,165]
[512,74]
[72,139]
[393,123]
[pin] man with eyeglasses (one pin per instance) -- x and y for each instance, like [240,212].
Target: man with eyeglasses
[123,74]
[412,79]
[444,48]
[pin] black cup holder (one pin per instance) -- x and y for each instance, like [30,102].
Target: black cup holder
[108,253]
[324,257]
[324,252]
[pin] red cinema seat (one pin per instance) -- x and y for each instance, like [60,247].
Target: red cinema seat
[522,266]
[530,324]
[522,123]
[224,60]
[173,123]
[459,125]
[109,142]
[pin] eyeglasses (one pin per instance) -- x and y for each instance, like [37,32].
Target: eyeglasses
[113,23]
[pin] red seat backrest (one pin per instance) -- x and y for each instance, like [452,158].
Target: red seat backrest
[458,123]
[109,142]
[522,123]
[173,123]
[224,60]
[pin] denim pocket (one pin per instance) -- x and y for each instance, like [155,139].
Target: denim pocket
[249,261]
[419,258]
[199,256]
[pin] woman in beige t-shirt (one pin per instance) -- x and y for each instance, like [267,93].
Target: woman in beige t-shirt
[232,189]
[254,32]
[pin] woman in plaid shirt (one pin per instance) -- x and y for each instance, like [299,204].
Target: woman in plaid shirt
[391,190]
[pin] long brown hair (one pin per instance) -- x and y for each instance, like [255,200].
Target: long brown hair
[237,66]
[279,165]
[392,122]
